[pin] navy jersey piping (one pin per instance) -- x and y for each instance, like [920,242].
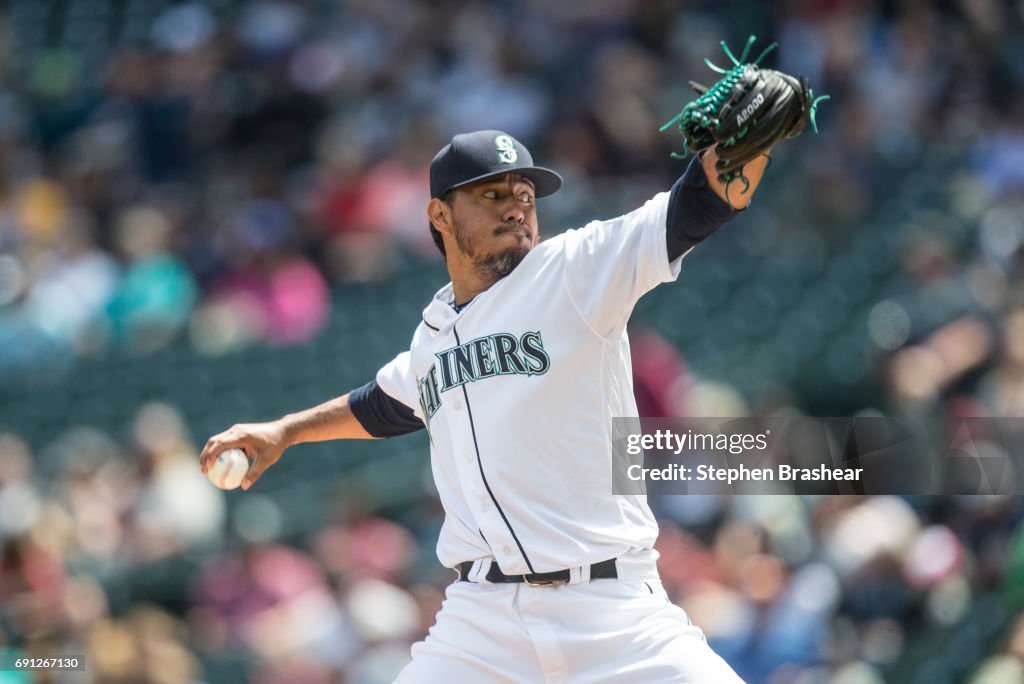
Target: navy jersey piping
[479,461]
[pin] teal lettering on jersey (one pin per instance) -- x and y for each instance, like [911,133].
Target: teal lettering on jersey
[430,400]
[479,359]
[486,357]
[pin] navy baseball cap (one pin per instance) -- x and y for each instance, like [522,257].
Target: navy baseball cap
[471,157]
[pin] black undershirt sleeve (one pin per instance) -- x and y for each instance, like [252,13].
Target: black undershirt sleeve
[380,414]
[694,211]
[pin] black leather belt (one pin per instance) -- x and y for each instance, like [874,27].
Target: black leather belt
[602,570]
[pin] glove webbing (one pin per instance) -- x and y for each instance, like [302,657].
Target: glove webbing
[710,100]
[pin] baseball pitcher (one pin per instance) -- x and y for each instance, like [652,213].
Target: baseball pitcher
[516,371]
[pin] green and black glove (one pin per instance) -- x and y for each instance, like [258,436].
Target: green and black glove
[746,113]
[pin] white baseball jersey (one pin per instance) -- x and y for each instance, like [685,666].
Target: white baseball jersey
[518,391]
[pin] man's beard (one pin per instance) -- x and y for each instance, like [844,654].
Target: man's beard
[490,267]
[494,267]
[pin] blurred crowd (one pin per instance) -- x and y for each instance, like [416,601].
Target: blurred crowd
[214,175]
[208,174]
[123,552]
[127,557]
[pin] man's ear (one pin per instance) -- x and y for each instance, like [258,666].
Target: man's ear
[440,215]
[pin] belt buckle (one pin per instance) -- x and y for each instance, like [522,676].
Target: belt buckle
[546,583]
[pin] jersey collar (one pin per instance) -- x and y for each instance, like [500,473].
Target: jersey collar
[441,312]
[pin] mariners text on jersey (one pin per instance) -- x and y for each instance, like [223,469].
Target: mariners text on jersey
[484,357]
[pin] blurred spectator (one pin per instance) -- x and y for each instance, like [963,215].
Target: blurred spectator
[72,287]
[156,295]
[176,509]
[146,645]
[275,294]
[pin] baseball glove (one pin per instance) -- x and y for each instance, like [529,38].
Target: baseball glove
[746,113]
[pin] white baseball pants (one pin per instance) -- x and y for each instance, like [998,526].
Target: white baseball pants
[620,631]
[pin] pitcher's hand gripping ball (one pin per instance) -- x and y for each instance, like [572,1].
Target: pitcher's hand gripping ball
[745,113]
[229,469]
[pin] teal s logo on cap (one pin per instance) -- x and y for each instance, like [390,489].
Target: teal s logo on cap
[506,150]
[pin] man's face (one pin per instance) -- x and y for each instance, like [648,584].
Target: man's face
[495,224]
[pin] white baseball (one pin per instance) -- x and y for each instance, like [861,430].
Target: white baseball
[229,469]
